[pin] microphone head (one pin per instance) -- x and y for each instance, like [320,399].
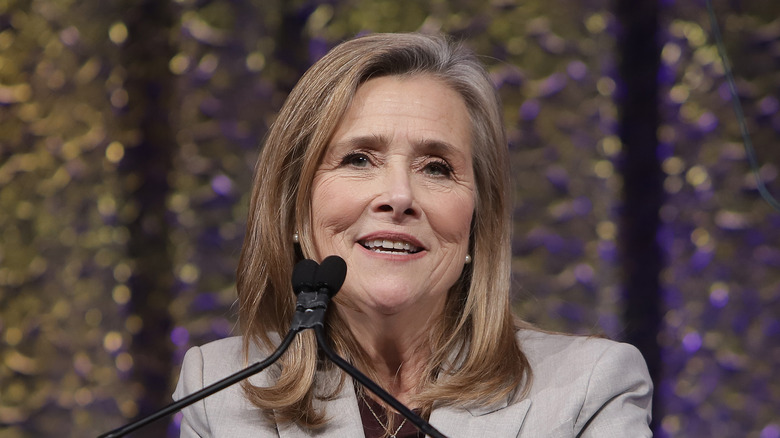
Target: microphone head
[303,276]
[331,274]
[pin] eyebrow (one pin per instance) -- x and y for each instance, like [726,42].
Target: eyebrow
[373,141]
[438,147]
[379,141]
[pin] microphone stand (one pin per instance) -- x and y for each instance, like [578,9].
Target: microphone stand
[314,317]
[310,312]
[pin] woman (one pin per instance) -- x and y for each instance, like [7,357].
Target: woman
[390,152]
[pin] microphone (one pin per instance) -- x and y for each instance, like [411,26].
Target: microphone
[315,285]
[303,276]
[331,275]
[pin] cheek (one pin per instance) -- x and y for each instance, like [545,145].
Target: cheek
[333,209]
[451,218]
[322,200]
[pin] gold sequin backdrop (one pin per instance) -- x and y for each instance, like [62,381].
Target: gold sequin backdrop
[128,132]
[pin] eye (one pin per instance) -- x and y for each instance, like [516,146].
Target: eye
[356,159]
[438,168]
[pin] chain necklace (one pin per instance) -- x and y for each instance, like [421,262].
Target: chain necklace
[392,435]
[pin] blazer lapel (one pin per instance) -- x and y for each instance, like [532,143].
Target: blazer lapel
[497,421]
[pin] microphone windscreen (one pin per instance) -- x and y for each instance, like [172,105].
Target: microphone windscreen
[331,274]
[303,275]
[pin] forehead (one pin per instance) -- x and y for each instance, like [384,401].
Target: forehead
[418,106]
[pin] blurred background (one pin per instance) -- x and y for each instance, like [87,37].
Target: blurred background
[129,130]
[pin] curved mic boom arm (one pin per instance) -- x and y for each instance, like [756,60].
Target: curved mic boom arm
[205,392]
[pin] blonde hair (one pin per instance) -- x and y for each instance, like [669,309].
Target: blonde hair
[474,356]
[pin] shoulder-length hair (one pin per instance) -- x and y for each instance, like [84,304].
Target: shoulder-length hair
[474,356]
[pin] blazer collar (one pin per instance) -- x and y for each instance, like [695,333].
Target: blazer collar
[501,419]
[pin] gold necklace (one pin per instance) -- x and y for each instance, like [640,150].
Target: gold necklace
[392,435]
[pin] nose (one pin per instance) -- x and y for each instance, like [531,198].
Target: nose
[396,195]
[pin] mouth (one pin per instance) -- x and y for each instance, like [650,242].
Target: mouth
[385,246]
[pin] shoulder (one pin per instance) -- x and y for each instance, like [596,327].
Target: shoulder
[588,385]
[228,346]
[228,412]
[577,351]
[217,359]
[556,358]
[205,364]
[223,353]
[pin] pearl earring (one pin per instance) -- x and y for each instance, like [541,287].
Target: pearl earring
[296,237]
[468,259]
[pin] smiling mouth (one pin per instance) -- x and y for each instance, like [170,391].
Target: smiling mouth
[390,246]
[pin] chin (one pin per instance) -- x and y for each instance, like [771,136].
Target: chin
[389,309]
[389,302]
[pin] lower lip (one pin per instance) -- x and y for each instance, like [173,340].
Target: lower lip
[393,256]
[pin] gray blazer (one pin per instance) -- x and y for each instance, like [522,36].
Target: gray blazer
[582,387]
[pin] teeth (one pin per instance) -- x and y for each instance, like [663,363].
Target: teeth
[395,245]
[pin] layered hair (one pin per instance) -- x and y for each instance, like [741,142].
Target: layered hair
[474,356]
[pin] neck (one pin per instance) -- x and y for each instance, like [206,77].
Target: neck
[396,346]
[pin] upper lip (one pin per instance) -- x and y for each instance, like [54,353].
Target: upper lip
[394,236]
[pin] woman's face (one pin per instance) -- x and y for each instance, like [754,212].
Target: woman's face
[394,194]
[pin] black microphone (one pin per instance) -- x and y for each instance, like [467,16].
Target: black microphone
[303,276]
[331,275]
[315,285]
